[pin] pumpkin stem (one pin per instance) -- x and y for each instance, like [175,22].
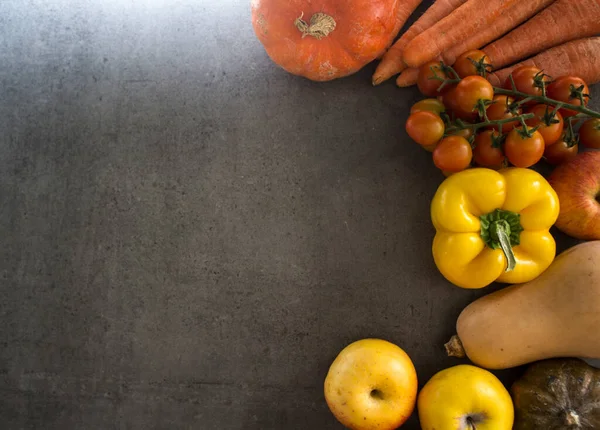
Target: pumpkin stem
[320,26]
[573,419]
[454,347]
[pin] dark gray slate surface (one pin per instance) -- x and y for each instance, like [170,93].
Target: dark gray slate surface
[189,235]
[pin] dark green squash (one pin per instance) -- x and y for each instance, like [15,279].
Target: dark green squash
[557,394]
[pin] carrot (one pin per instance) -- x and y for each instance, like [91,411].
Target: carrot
[468,19]
[562,21]
[405,10]
[408,77]
[579,58]
[391,62]
[503,24]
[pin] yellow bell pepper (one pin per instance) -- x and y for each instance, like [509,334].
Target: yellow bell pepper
[493,226]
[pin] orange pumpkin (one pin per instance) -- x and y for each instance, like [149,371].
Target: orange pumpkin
[326,39]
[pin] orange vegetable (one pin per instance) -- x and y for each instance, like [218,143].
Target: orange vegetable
[328,39]
[391,63]
[408,77]
[504,23]
[472,17]
[405,10]
[579,58]
[562,21]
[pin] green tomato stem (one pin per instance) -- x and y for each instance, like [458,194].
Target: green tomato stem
[514,92]
[479,125]
[548,101]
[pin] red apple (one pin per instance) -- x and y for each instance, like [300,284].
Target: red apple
[577,184]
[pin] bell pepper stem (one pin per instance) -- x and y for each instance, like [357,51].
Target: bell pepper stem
[502,229]
[501,233]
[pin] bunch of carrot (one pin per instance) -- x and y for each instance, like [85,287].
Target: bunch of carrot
[507,31]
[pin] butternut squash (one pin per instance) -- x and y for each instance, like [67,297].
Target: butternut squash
[555,315]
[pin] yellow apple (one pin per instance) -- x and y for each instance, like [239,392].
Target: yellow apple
[465,397]
[372,384]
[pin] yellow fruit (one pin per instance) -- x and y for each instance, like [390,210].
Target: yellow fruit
[372,384]
[465,397]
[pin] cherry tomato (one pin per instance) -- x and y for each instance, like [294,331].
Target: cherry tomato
[450,100]
[452,154]
[470,90]
[487,151]
[524,151]
[429,105]
[565,89]
[467,133]
[528,80]
[589,133]
[550,126]
[427,82]
[425,128]
[446,98]
[560,152]
[472,63]
[499,109]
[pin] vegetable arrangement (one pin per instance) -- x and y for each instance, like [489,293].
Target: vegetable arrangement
[507,87]
[530,117]
[507,32]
